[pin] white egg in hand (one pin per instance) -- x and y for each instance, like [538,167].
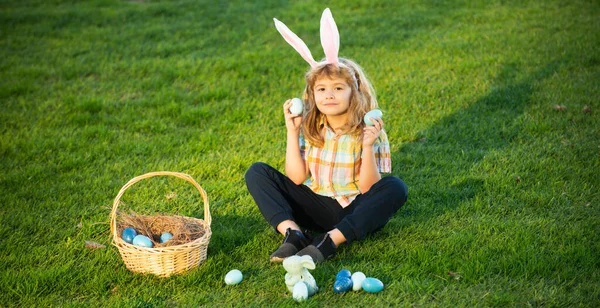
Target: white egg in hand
[375,114]
[297,106]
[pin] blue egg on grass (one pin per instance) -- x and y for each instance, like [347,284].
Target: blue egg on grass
[375,114]
[128,234]
[165,237]
[233,277]
[344,273]
[372,285]
[142,241]
[342,285]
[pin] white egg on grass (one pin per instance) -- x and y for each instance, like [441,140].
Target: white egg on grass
[233,277]
[357,280]
[297,106]
[300,291]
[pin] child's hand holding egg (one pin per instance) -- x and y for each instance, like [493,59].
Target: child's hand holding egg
[375,114]
[297,106]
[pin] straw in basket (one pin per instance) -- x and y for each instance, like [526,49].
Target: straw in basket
[169,260]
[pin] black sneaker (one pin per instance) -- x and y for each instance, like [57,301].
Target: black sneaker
[293,242]
[321,249]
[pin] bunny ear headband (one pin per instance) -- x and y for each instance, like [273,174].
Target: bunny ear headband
[330,39]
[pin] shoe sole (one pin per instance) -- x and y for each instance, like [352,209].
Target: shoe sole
[277,260]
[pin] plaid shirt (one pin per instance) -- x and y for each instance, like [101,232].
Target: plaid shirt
[334,169]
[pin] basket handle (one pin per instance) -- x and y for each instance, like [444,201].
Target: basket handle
[186,177]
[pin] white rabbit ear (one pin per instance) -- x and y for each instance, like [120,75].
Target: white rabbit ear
[330,37]
[295,41]
[307,261]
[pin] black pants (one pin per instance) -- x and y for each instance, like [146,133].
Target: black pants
[279,199]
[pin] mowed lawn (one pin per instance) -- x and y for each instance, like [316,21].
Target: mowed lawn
[492,109]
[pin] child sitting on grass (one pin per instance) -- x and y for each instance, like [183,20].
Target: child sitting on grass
[334,160]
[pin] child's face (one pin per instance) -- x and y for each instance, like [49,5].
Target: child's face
[332,95]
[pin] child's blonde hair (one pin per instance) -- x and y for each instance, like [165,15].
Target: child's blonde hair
[362,99]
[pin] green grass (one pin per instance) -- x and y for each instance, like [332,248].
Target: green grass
[504,206]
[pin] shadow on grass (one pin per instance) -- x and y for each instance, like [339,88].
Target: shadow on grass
[229,232]
[438,166]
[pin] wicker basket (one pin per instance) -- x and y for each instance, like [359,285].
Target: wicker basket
[163,261]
